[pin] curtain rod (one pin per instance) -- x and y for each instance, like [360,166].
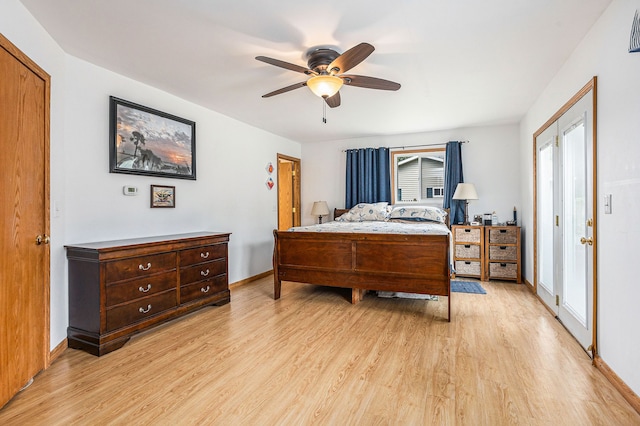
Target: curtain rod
[413,146]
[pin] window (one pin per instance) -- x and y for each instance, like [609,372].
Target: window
[418,176]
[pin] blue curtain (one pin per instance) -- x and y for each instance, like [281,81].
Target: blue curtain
[452,177]
[368,176]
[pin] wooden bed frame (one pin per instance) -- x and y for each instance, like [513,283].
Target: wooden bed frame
[398,262]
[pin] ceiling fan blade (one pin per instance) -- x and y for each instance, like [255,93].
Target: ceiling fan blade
[350,58]
[285,65]
[333,101]
[285,89]
[369,82]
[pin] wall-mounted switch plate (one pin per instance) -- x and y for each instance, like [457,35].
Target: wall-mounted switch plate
[607,204]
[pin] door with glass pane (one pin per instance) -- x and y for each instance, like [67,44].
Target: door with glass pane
[565,218]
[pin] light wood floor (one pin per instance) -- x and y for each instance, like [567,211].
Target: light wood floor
[313,358]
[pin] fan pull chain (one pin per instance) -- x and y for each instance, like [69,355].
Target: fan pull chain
[324,111]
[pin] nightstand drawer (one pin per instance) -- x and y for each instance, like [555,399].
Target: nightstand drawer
[503,270]
[467,268]
[503,235]
[467,235]
[468,251]
[503,253]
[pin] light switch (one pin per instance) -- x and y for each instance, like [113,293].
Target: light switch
[607,204]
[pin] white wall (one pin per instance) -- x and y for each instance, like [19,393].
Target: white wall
[603,53]
[229,194]
[490,162]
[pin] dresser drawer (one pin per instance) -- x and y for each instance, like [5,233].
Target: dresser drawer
[202,271]
[467,235]
[467,268]
[503,236]
[203,288]
[140,309]
[468,251]
[503,270]
[202,254]
[139,266]
[142,287]
[503,253]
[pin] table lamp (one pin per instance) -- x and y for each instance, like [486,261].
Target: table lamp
[466,192]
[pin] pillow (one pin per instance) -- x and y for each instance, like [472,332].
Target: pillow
[366,212]
[419,214]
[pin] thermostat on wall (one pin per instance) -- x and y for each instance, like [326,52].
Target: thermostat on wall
[130,190]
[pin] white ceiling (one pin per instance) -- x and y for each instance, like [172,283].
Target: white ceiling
[460,62]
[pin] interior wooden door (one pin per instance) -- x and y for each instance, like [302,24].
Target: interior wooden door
[24,219]
[288,192]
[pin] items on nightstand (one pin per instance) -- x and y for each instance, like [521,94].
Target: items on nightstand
[487,219]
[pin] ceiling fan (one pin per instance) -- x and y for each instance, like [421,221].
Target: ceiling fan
[326,68]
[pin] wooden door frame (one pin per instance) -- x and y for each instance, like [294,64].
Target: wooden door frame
[46,78]
[591,85]
[295,189]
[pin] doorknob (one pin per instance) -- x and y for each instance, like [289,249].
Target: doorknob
[40,239]
[584,240]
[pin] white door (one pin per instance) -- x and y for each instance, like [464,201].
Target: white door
[565,218]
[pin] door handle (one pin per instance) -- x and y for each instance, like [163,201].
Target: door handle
[584,240]
[43,239]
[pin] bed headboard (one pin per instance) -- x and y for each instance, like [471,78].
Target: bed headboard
[339,212]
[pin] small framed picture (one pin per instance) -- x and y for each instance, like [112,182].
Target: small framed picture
[163,196]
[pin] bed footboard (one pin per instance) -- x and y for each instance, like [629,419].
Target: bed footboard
[389,262]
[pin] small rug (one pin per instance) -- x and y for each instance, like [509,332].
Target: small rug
[467,287]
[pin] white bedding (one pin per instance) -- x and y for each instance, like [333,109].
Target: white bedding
[377,227]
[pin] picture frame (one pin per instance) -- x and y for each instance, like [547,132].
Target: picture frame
[163,196]
[145,141]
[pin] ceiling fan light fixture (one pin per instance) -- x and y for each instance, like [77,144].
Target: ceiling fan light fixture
[324,86]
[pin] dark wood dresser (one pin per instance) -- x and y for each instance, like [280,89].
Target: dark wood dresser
[119,288]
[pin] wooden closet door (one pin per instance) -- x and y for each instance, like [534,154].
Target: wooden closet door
[24,264]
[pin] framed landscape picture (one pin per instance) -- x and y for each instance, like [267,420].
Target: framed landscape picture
[145,141]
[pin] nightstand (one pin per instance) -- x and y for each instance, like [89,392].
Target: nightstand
[469,252]
[502,253]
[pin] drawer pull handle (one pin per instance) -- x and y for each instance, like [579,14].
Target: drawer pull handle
[503,247]
[503,231]
[144,290]
[467,263]
[144,311]
[204,273]
[142,268]
[204,255]
[205,290]
[504,265]
[467,246]
[467,230]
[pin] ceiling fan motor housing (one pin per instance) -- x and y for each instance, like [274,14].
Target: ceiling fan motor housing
[319,59]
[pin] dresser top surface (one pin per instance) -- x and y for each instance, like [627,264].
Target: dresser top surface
[116,244]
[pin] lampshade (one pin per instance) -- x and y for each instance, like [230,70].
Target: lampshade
[465,191]
[324,86]
[320,208]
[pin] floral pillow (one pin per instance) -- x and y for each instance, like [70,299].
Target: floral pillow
[366,212]
[419,214]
